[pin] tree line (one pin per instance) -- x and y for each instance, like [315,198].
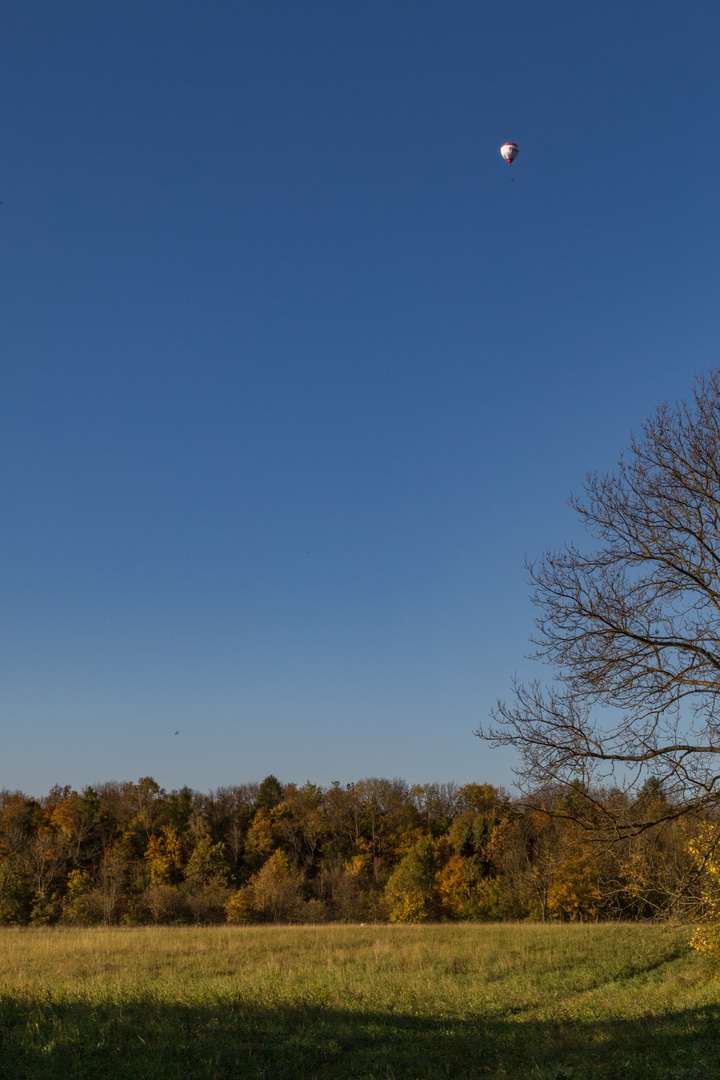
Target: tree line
[620,760]
[375,850]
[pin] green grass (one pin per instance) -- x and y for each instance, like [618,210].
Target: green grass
[369,1003]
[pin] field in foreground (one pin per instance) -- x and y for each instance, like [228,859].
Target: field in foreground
[368,1003]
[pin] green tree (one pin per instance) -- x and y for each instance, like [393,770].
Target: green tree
[276,889]
[78,907]
[412,890]
[207,861]
[270,793]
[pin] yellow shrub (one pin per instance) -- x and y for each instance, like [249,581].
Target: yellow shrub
[704,848]
[408,907]
[239,908]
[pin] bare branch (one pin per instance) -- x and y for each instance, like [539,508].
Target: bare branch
[632,626]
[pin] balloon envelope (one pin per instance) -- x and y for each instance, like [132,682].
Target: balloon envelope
[509,151]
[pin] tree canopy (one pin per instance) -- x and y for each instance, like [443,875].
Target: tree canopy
[367,851]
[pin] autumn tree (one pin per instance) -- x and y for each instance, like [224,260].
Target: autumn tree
[412,889]
[302,830]
[207,861]
[229,811]
[467,893]
[436,805]
[164,857]
[74,817]
[382,811]
[110,883]
[631,627]
[271,895]
[178,808]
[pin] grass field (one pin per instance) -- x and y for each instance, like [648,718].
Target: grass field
[372,1003]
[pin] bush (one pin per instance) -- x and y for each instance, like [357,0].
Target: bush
[208,903]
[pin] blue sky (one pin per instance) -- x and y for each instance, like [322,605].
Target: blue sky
[295,371]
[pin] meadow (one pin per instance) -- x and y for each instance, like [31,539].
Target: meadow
[568,1002]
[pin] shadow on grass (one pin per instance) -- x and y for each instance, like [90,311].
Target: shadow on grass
[150,1041]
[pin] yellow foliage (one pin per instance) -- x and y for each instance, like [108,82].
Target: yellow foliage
[261,839]
[704,847]
[453,885]
[240,908]
[274,894]
[411,890]
[407,841]
[465,893]
[76,906]
[408,907]
[78,883]
[65,815]
[361,862]
[574,891]
[163,855]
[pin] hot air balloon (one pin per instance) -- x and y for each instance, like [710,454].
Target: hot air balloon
[509,151]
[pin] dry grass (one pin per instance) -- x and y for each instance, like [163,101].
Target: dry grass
[411,1002]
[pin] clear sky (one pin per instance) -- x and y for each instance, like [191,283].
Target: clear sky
[295,371]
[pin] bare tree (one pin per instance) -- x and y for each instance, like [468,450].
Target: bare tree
[632,628]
